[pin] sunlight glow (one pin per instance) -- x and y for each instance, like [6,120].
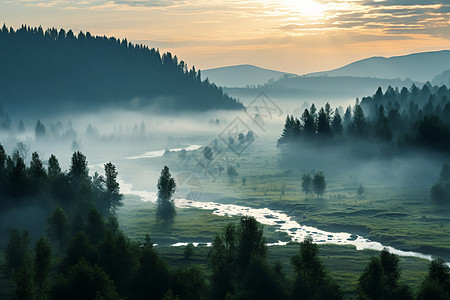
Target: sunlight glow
[308,8]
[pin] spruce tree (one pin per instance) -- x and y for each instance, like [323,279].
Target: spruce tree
[166,187]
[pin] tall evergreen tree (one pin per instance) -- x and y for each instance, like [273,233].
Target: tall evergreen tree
[336,124]
[113,195]
[166,187]
[308,123]
[323,124]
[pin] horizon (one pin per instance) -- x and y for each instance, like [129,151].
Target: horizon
[284,35]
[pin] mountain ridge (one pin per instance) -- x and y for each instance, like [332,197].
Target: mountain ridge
[419,66]
[242,75]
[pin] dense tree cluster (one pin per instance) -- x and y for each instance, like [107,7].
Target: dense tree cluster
[238,259]
[410,117]
[62,65]
[46,186]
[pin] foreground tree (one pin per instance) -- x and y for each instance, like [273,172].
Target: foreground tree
[166,187]
[437,283]
[380,279]
[312,279]
[95,283]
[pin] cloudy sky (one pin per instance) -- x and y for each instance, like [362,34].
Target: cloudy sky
[298,36]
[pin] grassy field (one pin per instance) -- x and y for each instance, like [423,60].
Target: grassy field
[138,218]
[395,209]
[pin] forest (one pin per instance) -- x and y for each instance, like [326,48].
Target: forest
[62,69]
[397,120]
[83,254]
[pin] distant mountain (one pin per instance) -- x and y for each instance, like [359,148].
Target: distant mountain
[289,93]
[443,78]
[51,70]
[418,66]
[242,75]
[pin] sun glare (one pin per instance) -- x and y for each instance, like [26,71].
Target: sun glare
[308,8]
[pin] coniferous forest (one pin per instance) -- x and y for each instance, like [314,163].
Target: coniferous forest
[409,118]
[62,69]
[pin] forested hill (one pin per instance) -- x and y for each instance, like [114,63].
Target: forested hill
[51,68]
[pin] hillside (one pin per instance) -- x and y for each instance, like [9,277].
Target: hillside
[417,66]
[242,75]
[51,70]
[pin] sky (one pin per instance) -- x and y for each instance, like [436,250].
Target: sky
[292,36]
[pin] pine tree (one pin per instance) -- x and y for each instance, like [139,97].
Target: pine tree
[166,187]
[336,124]
[323,124]
[114,197]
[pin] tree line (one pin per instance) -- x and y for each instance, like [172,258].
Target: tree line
[100,262]
[41,188]
[62,66]
[408,118]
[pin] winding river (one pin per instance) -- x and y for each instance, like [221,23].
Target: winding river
[267,216]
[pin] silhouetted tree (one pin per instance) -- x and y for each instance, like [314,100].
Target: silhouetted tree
[437,283]
[380,279]
[78,172]
[312,280]
[113,195]
[53,169]
[358,124]
[319,184]
[323,124]
[166,187]
[308,123]
[336,123]
[251,242]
